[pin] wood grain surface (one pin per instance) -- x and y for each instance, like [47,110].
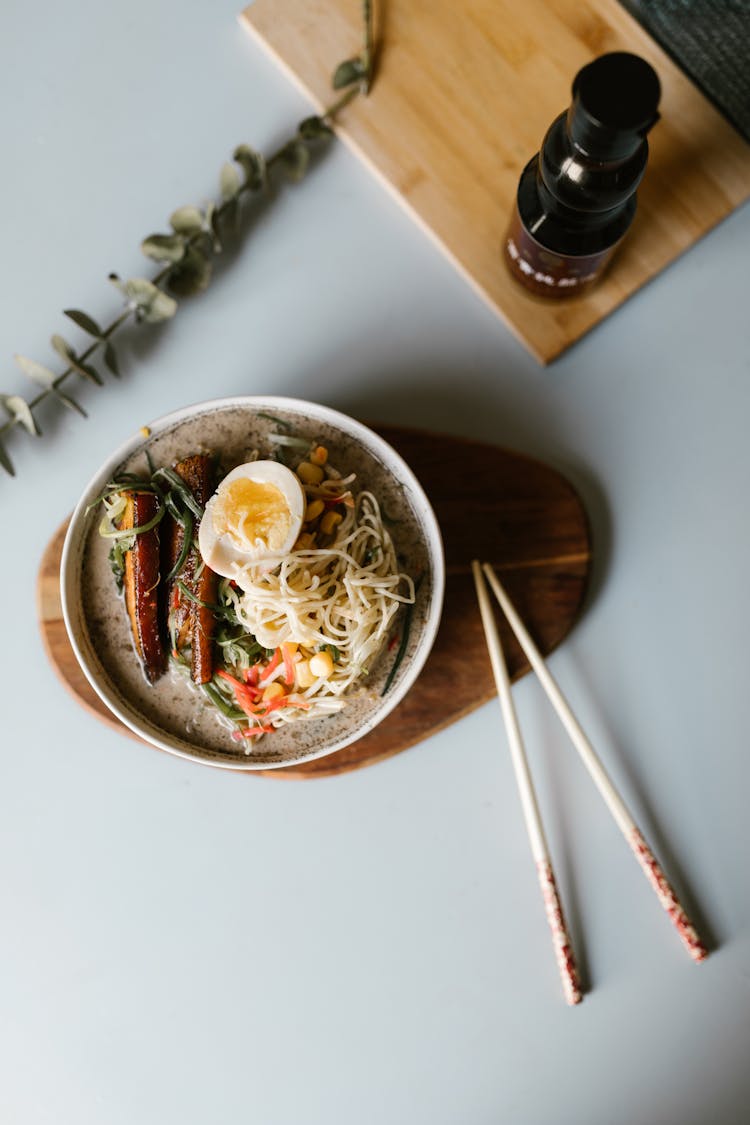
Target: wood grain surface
[492,504]
[463,95]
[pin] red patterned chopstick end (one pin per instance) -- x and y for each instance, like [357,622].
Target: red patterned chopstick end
[564,955]
[667,897]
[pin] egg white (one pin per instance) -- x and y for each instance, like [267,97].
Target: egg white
[220,552]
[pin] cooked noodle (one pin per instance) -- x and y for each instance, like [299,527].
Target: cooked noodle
[344,596]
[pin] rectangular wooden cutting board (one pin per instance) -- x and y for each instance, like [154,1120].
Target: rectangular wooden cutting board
[463,95]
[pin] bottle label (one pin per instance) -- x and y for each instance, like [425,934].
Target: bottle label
[546,273]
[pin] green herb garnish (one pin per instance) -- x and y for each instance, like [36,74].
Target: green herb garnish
[408,613]
[117,560]
[285,426]
[217,697]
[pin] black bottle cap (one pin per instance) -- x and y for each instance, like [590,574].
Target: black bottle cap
[615,103]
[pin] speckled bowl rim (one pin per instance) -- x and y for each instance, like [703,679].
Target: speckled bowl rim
[79,525]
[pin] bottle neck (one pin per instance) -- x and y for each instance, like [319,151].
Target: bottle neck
[600,143]
[587,190]
[567,230]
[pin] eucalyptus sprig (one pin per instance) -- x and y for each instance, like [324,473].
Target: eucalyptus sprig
[184,254]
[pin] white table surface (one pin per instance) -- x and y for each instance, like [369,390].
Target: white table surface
[182,945]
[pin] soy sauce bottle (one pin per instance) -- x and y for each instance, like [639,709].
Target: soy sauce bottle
[576,197]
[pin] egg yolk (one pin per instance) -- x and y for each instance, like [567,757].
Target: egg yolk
[251,510]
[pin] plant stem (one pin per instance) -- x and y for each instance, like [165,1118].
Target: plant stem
[330,113]
[116,323]
[367,47]
[327,115]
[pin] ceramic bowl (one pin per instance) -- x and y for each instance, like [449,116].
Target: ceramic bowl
[173,715]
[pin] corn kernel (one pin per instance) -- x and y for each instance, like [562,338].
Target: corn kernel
[273,691]
[313,510]
[304,542]
[303,675]
[319,455]
[330,522]
[309,473]
[321,665]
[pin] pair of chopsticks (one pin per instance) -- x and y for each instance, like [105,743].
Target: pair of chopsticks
[651,867]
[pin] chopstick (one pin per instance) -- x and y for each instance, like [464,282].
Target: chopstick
[561,944]
[650,865]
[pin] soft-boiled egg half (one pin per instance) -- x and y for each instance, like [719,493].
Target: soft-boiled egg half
[254,516]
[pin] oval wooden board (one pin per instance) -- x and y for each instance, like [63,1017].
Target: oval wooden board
[492,504]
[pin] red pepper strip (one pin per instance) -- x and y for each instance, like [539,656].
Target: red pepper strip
[263,707]
[247,705]
[250,732]
[245,695]
[252,674]
[272,665]
[249,689]
[284,701]
[231,679]
[288,665]
[267,706]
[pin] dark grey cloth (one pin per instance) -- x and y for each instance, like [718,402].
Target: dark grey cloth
[710,41]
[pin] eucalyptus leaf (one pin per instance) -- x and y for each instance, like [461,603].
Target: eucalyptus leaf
[215,221]
[139,290]
[229,181]
[186,220]
[110,358]
[6,462]
[253,165]
[150,303]
[348,72]
[294,159]
[313,128]
[69,402]
[87,371]
[190,276]
[212,228]
[162,307]
[19,410]
[84,321]
[163,247]
[36,371]
[63,348]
